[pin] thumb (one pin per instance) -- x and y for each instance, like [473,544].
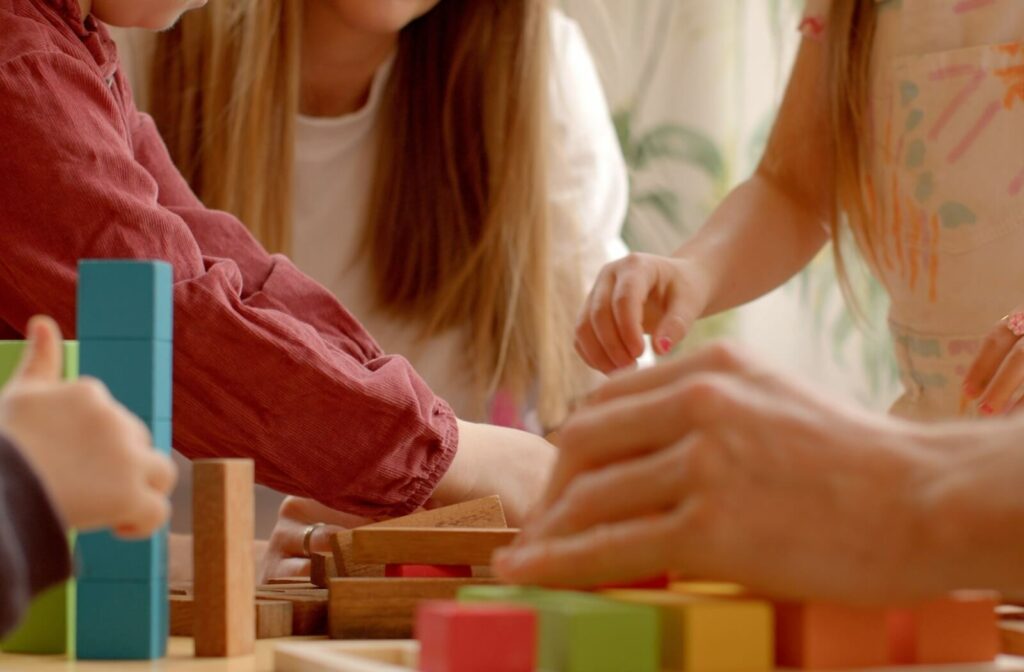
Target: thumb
[43,358]
[674,325]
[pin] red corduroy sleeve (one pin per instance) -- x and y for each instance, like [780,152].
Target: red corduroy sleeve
[268,364]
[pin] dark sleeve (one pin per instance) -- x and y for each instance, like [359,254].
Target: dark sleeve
[33,547]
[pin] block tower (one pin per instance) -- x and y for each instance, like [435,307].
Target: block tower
[48,625]
[124,333]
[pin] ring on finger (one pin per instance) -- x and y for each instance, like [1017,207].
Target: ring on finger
[307,537]
[1015,323]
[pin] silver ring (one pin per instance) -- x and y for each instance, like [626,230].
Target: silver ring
[307,537]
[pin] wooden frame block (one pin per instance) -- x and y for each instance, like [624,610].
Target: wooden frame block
[366,608]
[485,512]
[375,656]
[428,545]
[956,629]
[223,528]
[322,569]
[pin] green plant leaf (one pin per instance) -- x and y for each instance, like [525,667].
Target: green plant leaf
[663,201]
[681,143]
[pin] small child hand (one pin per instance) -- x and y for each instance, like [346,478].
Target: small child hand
[997,374]
[94,458]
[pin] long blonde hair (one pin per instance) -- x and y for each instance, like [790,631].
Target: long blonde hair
[460,218]
[851,36]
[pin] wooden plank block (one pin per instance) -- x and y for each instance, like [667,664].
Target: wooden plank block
[484,512]
[1011,638]
[334,656]
[709,635]
[289,587]
[581,631]
[367,608]
[960,628]
[492,637]
[223,528]
[322,568]
[181,615]
[273,619]
[428,545]
[428,571]
[309,612]
[1010,612]
[827,636]
[289,581]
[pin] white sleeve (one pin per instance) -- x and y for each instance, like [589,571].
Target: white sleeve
[588,178]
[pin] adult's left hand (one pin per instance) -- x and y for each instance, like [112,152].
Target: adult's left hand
[285,555]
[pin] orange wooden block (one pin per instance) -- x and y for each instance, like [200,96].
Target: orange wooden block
[957,629]
[224,616]
[1011,636]
[826,636]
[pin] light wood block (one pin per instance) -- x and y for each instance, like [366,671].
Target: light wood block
[309,611]
[1011,638]
[289,581]
[367,608]
[223,529]
[1010,612]
[961,628]
[374,656]
[273,619]
[428,545]
[322,568]
[181,615]
[485,512]
[709,589]
[709,635]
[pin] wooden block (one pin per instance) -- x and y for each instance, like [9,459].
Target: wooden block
[125,299]
[709,635]
[105,557]
[179,588]
[428,545]
[1011,638]
[957,629]
[486,512]
[223,528]
[581,631]
[309,612]
[181,615]
[366,608]
[709,589]
[128,620]
[290,581]
[273,619]
[334,656]
[1010,612]
[428,571]
[826,636]
[653,583]
[322,568]
[458,637]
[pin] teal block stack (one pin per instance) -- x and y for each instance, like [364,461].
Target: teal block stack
[125,327]
[579,632]
[49,624]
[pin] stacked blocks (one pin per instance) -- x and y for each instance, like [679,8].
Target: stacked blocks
[583,633]
[826,636]
[476,637]
[962,628]
[125,334]
[47,625]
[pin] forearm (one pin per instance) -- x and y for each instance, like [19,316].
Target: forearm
[759,237]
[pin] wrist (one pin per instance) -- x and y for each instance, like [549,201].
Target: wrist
[694,269]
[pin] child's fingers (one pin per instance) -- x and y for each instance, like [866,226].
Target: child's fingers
[602,321]
[994,349]
[151,510]
[628,299]
[160,471]
[43,356]
[1005,383]
[591,350]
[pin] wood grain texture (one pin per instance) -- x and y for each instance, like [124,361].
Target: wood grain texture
[223,528]
[309,609]
[322,568]
[366,608]
[273,619]
[181,615]
[379,656]
[428,545]
[484,512]
[1011,638]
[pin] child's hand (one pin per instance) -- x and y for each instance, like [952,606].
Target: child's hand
[997,374]
[94,458]
[642,293]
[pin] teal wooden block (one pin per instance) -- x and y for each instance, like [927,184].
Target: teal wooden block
[579,632]
[104,557]
[138,373]
[125,299]
[162,435]
[122,620]
[11,352]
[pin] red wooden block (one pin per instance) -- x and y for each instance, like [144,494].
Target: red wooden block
[459,637]
[428,571]
[957,629]
[826,636]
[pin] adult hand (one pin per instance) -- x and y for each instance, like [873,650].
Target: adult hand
[997,373]
[717,466]
[285,555]
[641,293]
[94,458]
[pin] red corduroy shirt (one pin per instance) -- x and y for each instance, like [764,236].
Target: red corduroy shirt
[268,364]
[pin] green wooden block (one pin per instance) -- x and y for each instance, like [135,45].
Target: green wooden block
[579,632]
[48,625]
[125,300]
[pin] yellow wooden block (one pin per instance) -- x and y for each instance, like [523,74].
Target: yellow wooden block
[708,589]
[709,635]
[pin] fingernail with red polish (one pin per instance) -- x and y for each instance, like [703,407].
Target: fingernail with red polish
[969,390]
[986,409]
[664,344]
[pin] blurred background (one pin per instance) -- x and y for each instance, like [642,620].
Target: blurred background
[694,86]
